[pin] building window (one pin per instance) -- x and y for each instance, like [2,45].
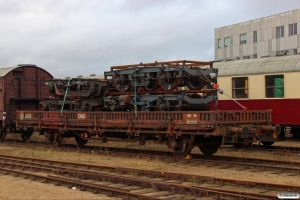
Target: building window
[226,42]
[254,55]
[237,58]
[243,39]
[240,87]
[275,86]
[293,29]
[254,36]
[246,57]
[295,51]
[219,43]
[279,31]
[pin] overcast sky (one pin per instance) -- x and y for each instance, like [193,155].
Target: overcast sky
[76,37]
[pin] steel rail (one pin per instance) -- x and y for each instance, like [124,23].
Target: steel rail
[95,188]
[141,182]
[168,156]
[228,161]
[59,165]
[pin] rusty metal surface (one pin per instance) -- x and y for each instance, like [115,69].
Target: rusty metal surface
[174,63]
[166,122]
[163,92]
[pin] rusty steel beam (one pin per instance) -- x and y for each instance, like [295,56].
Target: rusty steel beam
[174,63]
[177,123]
[161,92]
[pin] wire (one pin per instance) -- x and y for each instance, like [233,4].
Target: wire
[216,87]
[62,107]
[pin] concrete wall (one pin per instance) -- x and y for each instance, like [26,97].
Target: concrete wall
[267,44]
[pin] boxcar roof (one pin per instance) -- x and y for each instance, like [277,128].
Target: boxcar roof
[268,65]
[4,71]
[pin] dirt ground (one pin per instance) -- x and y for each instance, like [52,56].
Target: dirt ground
[18,188]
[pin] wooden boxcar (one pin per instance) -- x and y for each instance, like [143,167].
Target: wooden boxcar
[21,87]
[265,83]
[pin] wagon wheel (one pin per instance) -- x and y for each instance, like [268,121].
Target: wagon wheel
[180,147]
[195,83]
[123,86]
[209,149]
[57,139]
[211,145]
[169,83]
[2,135]
[80,141]
[25,135]
[151,86]
[267,144]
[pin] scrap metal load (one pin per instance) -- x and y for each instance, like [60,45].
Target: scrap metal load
[137,87]
[165,75]
[75,94]
[76,88]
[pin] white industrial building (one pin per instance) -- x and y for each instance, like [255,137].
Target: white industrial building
[267,36]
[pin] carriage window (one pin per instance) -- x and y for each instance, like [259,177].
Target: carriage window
[240,87]
[275,86]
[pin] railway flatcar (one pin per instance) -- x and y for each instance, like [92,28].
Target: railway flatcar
[132,98]
[265,83]
[21,88]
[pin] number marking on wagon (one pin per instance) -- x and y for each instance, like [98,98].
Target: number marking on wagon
[191,118]
[81,116]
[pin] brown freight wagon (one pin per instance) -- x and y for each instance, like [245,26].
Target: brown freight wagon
[21,88]
[181,130]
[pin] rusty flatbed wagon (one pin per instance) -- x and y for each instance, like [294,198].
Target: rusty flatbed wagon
[181,130]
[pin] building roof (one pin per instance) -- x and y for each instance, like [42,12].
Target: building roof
[288,63]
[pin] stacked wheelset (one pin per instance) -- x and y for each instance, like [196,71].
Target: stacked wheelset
[161,86]
[158,86]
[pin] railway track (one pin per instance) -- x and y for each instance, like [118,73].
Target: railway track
[244,163]
[137,183]
[280,150]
